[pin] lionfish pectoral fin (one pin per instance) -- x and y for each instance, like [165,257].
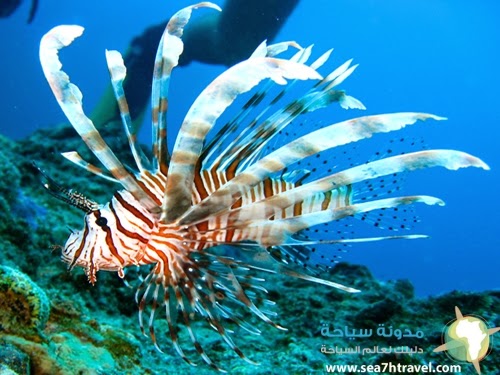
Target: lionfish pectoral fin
[280,233]
[263,261]
[296,176]
[258,213]
[317,280]
[199,288]
[91,272]
[70,97]
[322,217]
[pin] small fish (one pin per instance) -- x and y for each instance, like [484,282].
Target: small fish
[231,189]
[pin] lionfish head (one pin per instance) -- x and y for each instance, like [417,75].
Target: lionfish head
[93,247]
[84,247]
[102,245]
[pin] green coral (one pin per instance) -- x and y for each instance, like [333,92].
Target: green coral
[9,188]
[9,173]
[12,360]
[24,306]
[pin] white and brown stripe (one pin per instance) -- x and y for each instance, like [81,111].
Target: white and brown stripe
[223,190]
[167,58]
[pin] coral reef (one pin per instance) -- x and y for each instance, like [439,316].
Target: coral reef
[24,305]
[13,361]
[94,330]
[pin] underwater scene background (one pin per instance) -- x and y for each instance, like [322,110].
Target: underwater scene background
[433,56]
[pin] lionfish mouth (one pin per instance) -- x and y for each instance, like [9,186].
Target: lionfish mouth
[215,211]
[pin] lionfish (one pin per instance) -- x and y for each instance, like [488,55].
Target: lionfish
[175,211]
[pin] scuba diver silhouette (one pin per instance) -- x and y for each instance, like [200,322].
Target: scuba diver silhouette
[8,7]
[223,38]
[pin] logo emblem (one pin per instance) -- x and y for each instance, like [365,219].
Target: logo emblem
[467,339]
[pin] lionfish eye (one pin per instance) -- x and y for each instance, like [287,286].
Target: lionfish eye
[71,197]
[101,221]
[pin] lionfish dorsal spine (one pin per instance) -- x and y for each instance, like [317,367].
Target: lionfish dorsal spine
[257,214]
[246,135]
[204,112]
[76,159]
[69,98]
[169,50]
[320,61]
[118,72]
[246,148]
[322,139]
[272,50]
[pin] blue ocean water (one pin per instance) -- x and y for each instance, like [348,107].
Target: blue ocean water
[437,56]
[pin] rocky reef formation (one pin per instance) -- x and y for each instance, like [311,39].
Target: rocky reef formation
[54,322]
[24,305]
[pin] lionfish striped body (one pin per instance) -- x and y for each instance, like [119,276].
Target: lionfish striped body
[175,210]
